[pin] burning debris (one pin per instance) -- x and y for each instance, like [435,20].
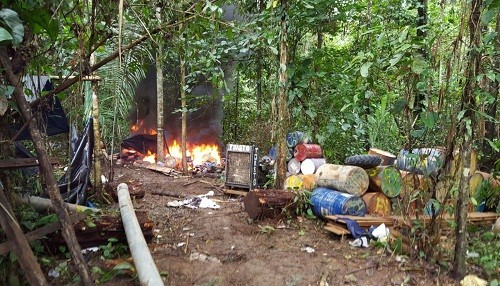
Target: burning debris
[203,158]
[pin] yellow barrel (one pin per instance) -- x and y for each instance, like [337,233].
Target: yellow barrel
[377,203]
[300,182]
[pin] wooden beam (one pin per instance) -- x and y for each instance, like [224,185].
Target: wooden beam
[6,247]
[24,162]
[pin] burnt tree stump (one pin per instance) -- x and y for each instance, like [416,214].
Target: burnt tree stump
[261,204]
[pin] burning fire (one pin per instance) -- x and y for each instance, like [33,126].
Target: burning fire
[136,128]
[151,157]
[199,154]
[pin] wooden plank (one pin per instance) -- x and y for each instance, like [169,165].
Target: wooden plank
[235,192]
[365,221]
[40,232]
[24,162]
[337,229]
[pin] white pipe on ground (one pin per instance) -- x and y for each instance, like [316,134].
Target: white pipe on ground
[41,204]
[143,261]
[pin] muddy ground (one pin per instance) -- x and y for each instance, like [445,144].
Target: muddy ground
[222,247]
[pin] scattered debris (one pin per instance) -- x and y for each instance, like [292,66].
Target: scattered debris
[307,249]
[200,201]
[473,280]
[203,257]
[360,242]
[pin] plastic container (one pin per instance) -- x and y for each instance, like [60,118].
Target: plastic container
[330,202]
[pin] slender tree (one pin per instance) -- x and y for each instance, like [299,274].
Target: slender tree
[160,154]
[281,103]
[466,136]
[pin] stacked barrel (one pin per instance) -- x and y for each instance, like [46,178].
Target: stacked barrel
[303,159]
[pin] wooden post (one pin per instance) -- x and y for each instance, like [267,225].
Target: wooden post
[160,154]
[22,249]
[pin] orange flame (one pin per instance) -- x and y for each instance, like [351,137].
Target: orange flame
[151,157]
[139,128]
[199,153]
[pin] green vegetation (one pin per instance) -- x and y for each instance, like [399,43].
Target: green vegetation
[387,74]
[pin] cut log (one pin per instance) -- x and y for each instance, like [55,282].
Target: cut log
[261,204]
[348,179]
[100,228]
[293,166]
[300,182]
[136,189]
[304,151]
[385,179]
[377,203]
[387,158]
[309,166]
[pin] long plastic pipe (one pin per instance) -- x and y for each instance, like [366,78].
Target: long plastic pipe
[41,204]
[143,261]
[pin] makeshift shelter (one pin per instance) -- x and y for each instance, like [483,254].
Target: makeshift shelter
[52,120]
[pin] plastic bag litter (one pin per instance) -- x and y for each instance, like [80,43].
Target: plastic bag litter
[381,232]
[200,201]
[360,242]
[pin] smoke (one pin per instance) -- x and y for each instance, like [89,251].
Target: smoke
[203,119]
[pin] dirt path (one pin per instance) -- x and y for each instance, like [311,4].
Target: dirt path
[221,247]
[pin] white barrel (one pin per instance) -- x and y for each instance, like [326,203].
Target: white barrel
[309,166]
[294,166]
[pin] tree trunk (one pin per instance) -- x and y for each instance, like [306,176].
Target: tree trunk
[490,131]
[282,108]
[468,105]
[160,154]
[46,170]
[184,111]
[22,250]
[97,138]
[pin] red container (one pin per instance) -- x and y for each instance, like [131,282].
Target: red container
[304,151]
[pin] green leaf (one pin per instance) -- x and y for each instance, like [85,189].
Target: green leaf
[273,50]
[395,59]
[13,22]
[486,16]
[417,133]
[460,115]
[364,69]
[418,65]
[5,37]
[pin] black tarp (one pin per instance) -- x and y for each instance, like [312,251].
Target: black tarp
[143,143]
[52,120]
[74,183]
